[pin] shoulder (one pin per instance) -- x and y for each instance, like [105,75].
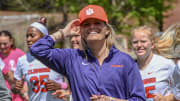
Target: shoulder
[22,58]
[123,56]
[162,60]
[18,51]
[178,64]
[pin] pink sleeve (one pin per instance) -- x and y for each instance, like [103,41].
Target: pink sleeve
[64,85]
[21,52]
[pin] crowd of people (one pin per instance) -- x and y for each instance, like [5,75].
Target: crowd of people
[95,68]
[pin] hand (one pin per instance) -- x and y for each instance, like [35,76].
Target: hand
[104,98]
[52,85]
[24,92]
[9,76]
[72,27]
[26,97]
[95,97]
[19,84]
[100,98]
[62,94]
[159,97]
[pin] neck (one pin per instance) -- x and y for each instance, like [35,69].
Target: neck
[144,61]
[4,55]
[99,50]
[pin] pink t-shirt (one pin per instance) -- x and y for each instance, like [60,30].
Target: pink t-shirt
[10,62]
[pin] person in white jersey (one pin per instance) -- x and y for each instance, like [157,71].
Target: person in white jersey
[42,81]
[168,46]
[176,78]
[155,70]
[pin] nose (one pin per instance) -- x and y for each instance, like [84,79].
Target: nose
[92,25]
[2,45]
[139,44]
[73,39]
[28,39]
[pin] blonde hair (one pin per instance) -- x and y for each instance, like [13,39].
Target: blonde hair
[168,41]
[146,29]
[111,40]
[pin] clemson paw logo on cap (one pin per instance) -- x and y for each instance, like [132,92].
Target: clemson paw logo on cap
[89,11]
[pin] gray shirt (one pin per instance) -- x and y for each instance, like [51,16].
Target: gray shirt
[4,91]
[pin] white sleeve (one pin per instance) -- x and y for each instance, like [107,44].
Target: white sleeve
[172,67]
[18,73]
[57,77]
[176,76]
[1,64]
[176,91]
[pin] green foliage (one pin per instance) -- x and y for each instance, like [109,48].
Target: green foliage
[123,14]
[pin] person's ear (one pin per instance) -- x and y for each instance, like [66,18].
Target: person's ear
[107,33]
[11,41]
[152,44]
[42,35]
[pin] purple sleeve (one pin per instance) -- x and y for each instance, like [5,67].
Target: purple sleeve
[54,58]
[136,87]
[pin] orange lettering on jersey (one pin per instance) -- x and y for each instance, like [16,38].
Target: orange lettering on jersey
[116,65]
[150,80]
[29,72]
[149,88]
[39,70]
[42,70]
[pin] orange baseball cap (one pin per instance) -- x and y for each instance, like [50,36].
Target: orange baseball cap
[93,11]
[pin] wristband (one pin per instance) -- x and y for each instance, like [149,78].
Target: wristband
[112,99]
[25,94]
[58,36]
[62,34]
[63,85]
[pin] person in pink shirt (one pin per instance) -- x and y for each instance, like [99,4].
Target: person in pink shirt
[9,55]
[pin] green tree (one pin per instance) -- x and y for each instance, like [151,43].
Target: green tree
[123,14]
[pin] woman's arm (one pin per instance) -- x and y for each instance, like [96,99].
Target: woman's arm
[164,98]
[104,98]
[135,84]
[54,58]
[71,27]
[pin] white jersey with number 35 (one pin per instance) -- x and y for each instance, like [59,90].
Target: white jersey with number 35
[36,74]
[157,77]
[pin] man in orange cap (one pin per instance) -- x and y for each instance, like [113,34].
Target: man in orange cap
[98,72]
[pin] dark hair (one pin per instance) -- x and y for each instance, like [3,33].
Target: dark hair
[7,33]
[43,21]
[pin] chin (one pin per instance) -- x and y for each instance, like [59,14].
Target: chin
[140,54]
[29,46]
[93,37]
[75,47]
